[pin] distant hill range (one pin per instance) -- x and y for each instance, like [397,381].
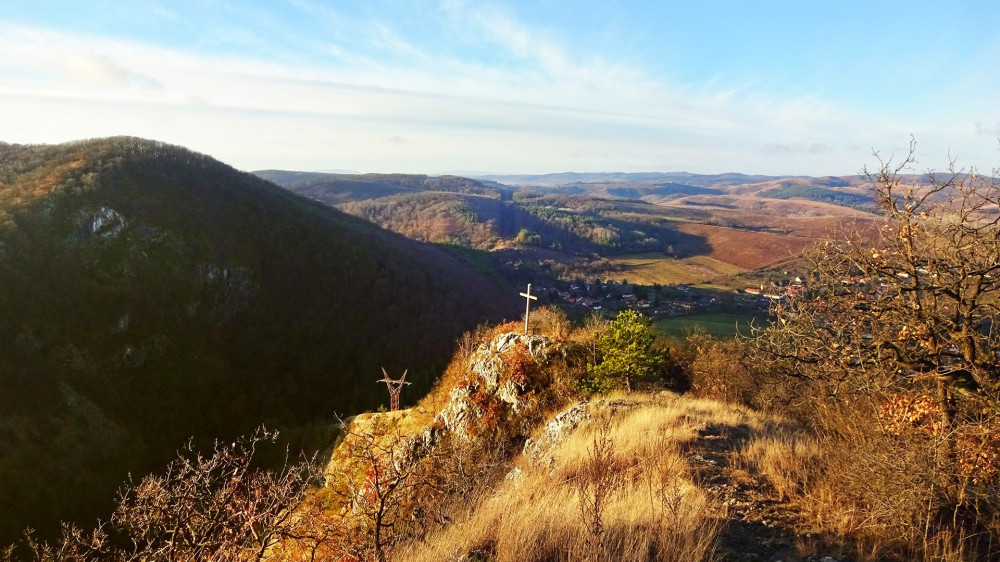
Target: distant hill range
[336,189]
[702,180]
[340,188]
[149,294]
[549,223]
[639,185]
[681,187]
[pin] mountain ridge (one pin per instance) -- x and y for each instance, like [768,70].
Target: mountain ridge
[151,293]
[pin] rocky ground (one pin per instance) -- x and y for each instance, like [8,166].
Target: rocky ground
[755,523]
[758,525]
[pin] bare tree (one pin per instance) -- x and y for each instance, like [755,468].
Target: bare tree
[392,486]
[907,301]
[901,314]
[215,507]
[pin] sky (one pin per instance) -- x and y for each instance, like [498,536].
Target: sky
[461,86]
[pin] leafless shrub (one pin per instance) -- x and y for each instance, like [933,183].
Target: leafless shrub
[552,322]
[392,490]
[215,507]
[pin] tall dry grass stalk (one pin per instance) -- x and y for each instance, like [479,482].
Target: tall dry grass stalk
[601,474]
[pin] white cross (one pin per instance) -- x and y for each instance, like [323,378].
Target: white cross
[528,297]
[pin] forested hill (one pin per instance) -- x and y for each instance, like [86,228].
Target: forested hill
[335,189]
[149,293]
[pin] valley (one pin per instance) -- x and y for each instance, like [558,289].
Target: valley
[646,228]
[576,232]
[499,281]
[153,297]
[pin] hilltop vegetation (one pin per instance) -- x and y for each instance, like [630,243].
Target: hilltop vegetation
[861,425]
[334,189]
[149,293]
[504,461]
[821,194]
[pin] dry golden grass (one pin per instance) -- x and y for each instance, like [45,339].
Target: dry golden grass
[789,460]
[883,496]
[650,510]
[668,477]
[653,267]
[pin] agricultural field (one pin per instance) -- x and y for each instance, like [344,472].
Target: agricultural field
[654,268]
[717,324]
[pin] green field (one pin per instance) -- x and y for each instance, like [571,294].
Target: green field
[718,324]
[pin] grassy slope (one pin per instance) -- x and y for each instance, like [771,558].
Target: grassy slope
[149,294]
[680,478]
[675,477]
[652,268]
[685,479]
[536,515]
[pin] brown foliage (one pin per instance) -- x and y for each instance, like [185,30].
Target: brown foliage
[909,306]
[891,357]
[721,369]
[216,507]
[551,322]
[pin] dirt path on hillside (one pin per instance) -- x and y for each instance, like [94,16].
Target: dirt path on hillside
[758,526]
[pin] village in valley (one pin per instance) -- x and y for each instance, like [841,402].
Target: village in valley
[666,301]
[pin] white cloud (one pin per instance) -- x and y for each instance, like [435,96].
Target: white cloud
[102,71]
[416,112]
[988,129]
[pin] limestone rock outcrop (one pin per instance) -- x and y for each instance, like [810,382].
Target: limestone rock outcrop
[506,381]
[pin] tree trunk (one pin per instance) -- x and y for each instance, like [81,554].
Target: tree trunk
[944,402]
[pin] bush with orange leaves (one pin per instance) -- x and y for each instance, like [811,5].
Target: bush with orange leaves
[519,365]
[901,412]
[977,451]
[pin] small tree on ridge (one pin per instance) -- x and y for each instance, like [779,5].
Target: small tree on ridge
[627,353]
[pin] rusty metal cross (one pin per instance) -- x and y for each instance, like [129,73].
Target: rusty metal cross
[394,386]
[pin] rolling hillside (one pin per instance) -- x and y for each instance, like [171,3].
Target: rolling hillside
[652,228]
[483,216]
[335,189]
[149,293]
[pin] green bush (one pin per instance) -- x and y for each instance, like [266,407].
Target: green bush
[627,354]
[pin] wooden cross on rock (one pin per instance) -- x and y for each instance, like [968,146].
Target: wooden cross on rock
[394,387]
[528,297]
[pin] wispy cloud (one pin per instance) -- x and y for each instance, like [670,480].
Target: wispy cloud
[101,70]
[365,89]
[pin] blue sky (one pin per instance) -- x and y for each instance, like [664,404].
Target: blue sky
[511,87]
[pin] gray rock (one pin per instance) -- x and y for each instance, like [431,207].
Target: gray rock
[486,374]
[539,451]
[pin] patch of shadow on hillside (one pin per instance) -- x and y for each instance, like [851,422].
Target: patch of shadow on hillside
[755,524]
